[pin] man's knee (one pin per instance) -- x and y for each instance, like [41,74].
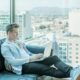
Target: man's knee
[55,59]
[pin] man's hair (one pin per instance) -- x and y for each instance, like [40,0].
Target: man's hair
[10,27]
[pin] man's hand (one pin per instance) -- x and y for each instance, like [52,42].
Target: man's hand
[39,55]
[36,57]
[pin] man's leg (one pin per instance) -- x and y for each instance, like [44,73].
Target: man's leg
[54,60]
[41,69]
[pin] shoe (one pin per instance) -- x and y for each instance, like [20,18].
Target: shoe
[75,73]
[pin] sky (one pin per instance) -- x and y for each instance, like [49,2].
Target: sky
[22,5]
[50,3]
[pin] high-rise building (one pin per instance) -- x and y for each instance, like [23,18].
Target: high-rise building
[69,50]
[28,32]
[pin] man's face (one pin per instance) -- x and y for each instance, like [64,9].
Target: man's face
[13,35]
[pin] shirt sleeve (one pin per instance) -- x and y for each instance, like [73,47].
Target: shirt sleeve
[7,54]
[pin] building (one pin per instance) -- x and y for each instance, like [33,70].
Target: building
[69,50]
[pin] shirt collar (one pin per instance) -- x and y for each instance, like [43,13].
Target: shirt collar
[8,41]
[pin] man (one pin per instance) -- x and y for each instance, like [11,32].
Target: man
[20,61]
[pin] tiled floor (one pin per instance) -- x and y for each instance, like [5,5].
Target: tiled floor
[51,78]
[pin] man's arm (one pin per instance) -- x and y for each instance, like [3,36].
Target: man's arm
[7,54]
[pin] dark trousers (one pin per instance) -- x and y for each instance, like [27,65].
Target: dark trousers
[43,67]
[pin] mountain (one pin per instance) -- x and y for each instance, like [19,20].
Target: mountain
[49,11]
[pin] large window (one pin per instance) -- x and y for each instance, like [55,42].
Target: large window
[42,18]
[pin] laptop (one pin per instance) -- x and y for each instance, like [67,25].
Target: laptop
[47,51]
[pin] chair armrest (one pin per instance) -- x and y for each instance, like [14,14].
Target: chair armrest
[35,49]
